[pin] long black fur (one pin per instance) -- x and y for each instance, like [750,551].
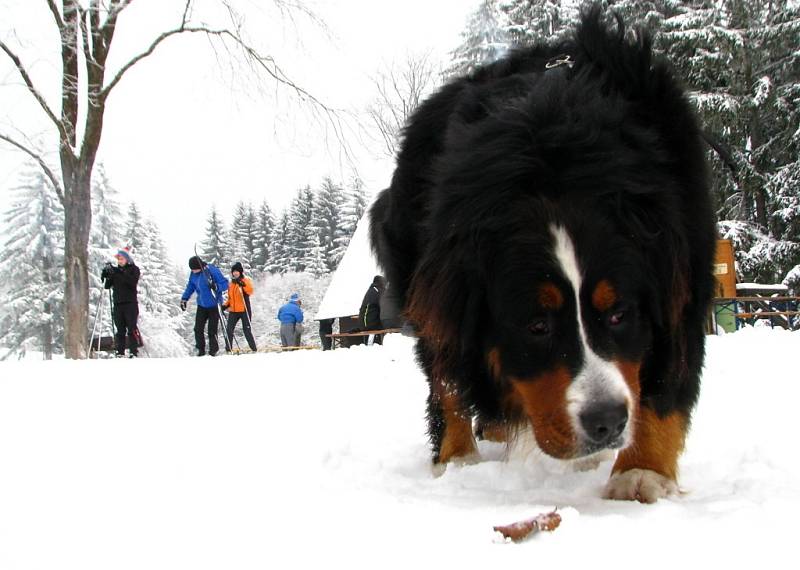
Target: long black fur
[609,147]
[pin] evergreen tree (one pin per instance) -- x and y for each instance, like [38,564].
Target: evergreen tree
[133,227]
[784,187]
[106,212]
[237,233]
[279,248]
[353,210]
[32,310]
[214,248]
[243,232]
[161,322]
[265,225]
[328,213]
[530,21]
[484,40]
[741,63]
[315,263]
[158,287]
[301,230]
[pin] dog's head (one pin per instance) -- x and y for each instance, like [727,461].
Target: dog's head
[567,329]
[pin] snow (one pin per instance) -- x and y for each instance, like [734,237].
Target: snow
[777,287]
[352,278]
[319,459]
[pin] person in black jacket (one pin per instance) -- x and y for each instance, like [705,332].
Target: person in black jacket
[122,280]
[369,315]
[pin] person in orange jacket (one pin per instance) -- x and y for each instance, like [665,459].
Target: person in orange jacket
[238,304]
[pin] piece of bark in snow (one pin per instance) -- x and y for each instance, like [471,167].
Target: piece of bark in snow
[520,530]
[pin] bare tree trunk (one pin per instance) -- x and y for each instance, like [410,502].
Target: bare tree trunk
[47,336]
[78,222]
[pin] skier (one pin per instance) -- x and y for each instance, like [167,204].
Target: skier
[291,317]
[238,303]
[122,280]
[370,312]
[209,283]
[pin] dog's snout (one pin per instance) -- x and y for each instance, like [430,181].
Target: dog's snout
[604,422]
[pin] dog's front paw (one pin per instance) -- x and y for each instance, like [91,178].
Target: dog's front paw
[640,485]
[439,468]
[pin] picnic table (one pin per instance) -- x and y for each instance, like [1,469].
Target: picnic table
[340,336]
[779,310]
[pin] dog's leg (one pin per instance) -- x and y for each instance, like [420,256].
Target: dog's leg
[491,430]
[647,470]
[449,424]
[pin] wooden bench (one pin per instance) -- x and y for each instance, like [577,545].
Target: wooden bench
[783,311]
[274,348]
[339,336]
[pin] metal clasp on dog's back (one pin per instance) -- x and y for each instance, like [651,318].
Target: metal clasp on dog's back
[559,60]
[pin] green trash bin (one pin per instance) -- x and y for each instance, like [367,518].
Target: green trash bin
[725,316]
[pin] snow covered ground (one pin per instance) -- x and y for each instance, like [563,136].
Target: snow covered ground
[312,460]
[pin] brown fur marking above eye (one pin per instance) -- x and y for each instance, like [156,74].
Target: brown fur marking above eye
[550,296]
[604,296]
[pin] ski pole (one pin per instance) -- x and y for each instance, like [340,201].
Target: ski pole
[94,326]
[230,338]
[246,311]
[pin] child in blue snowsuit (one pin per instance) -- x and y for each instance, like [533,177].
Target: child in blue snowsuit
[291,317]
[208,300]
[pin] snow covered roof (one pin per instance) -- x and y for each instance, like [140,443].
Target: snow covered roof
[352,278]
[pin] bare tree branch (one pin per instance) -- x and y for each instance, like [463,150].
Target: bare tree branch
[265,62]
[56,15]
[399,91]
[96,29]
[32,89]
[114,9]
[186,14]
[46,169]
[288,8]
[69,75]
[83,16]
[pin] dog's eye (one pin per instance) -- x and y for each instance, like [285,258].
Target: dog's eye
[616,318]
[539,327]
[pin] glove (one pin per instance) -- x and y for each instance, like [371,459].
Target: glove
[183,305]
[107,271]
[239,282]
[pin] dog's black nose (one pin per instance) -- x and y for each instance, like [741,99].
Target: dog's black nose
[604,422]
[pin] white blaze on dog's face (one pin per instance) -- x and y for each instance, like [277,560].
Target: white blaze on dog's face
[599,399]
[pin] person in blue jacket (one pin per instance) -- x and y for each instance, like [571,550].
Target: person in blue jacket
[291,317]
[209,299]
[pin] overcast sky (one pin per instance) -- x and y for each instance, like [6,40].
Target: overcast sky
[186,129]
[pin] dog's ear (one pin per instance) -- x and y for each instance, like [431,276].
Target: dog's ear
[445,303]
